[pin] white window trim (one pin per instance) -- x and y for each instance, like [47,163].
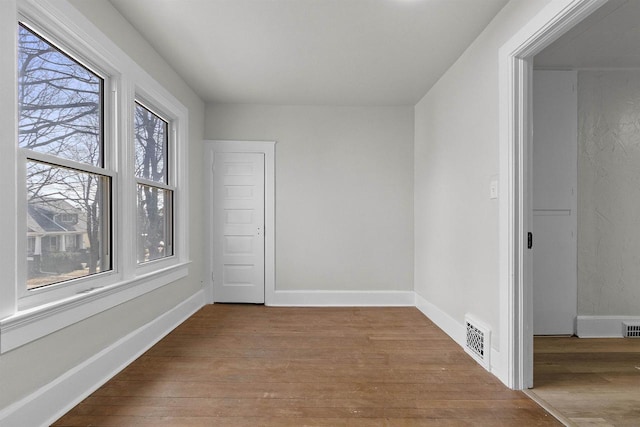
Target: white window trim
[177,170]
[31,324]
[20,321]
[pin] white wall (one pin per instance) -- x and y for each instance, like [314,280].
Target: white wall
[456,155]
[27,368]
[344,191]
[609,193]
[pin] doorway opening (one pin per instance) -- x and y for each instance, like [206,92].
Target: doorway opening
[515,207]
[586,87]
[517,60]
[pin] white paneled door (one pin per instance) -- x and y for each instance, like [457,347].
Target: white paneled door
[238,228]
[555,147]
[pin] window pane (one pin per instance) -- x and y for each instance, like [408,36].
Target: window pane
[67,224]
[151,145]
[155,234]
[60,102]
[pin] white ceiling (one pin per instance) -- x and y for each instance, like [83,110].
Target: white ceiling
[328,52]
[608,38]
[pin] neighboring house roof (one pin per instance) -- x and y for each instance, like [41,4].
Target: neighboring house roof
[45,216]
[32,224]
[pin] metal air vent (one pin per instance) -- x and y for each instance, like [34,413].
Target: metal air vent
[631,329]
[478,343]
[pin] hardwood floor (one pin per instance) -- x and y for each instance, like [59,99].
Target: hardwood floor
[590,382]
[243,365]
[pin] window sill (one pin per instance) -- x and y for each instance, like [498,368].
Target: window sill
[31,324]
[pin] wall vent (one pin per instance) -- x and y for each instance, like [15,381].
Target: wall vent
[631,329]
[478,341]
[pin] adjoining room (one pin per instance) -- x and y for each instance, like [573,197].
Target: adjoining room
[585,198]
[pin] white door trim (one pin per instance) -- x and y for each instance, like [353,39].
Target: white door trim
[515,82]
[268,148]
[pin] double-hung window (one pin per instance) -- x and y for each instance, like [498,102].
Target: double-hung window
[154,194]
[61,118]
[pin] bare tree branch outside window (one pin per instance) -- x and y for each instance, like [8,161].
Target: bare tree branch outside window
[60,103]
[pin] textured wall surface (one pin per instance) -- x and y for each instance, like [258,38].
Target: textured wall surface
[609,193]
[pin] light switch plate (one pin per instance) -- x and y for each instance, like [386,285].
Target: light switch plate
[493,189]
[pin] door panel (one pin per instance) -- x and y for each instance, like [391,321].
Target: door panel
[554,297]
[238,227]
[555,146]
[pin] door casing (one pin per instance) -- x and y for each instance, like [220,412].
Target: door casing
[515,203]
[267,148]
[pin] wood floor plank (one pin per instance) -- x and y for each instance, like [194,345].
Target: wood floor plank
[591,382]
[241,365]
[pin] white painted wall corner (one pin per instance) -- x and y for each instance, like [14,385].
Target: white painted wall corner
[457,332]
[442,320]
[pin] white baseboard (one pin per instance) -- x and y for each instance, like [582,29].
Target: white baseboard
[499,367]
[342,299]
[602,326]
[52,401]
[445,322]
[457,332]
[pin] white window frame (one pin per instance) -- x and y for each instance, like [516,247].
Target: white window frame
[150,103]
[27,315]
[64,41]
[29,240]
